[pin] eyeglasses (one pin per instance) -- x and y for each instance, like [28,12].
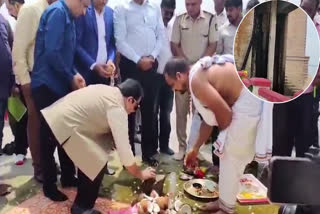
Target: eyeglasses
[137,106]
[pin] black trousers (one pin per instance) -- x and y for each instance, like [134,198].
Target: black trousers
[87,190]
[214,137]
[292,126]
[43,97]
[150,85]
[165,104]
[315,116]
[19,130]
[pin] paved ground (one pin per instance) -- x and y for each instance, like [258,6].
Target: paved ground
[24,186]
[120,187]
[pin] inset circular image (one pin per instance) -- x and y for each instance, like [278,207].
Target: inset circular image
[276,51]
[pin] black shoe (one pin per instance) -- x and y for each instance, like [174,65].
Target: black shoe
[38,178]
[75,209]
[1,151]
[54,194]
[9,149]
[66,183]
[252,168]
[167,151]
[151,161]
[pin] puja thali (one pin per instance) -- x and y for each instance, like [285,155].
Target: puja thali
[202,188]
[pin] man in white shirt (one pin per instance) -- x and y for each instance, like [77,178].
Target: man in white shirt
[228,31]
[221,15]
[88,124]
[165,97]
[139,33]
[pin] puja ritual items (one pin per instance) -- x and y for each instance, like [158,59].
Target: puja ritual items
[153,184]
[185,177]
[252,191]
[176,206]
[202,189]
[197,172]
[155,204]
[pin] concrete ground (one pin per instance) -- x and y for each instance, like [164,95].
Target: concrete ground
[121,187]
[21,177]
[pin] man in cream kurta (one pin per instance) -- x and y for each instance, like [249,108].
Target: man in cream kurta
[88,124]
[86,127]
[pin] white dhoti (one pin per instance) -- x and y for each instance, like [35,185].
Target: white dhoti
[265,134]
[236,145]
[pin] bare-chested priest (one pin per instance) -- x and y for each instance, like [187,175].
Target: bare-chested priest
[221,99]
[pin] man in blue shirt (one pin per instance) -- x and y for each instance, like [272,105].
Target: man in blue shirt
[53,77]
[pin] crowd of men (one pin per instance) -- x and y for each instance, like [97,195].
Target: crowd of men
[63,58]
[90,46]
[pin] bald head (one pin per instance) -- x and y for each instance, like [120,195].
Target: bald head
[193,7]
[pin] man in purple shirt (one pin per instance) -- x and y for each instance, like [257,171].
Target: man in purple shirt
[6,73]
[6,77]
[309,7]
[292,120]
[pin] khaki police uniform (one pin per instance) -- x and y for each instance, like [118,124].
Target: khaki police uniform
[194,36]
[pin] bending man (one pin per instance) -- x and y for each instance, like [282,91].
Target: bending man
[85,123]
[221,99]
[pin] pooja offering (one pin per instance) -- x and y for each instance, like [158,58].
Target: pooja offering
[202,188]
[178,207]
[185,209]
[196,172]
[185,177]
[252,191]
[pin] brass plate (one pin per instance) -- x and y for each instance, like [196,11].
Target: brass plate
[202,188]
